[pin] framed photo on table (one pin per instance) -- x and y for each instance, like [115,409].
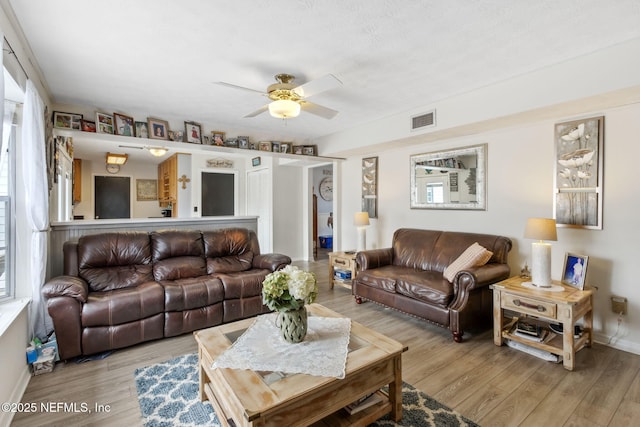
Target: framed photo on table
[575,270]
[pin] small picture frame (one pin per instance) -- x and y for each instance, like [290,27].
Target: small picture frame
[67,120]
[124,125]
[275,146]
[243,142]
[88,126]
[158,129]
[575,270]
[255,161]
[231,142]
[309,150]
[265,146]
[205,140]
[217,138]
[177,136]
[285,147]
[297,149]
[104,123]
[142,130]
[193,131]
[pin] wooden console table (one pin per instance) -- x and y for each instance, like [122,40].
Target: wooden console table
[564,307]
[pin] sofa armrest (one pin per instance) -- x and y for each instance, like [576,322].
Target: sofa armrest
[374,258]
[66,286]
[476,278]
[271,262]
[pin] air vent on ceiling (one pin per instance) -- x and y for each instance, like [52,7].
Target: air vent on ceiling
[423,120]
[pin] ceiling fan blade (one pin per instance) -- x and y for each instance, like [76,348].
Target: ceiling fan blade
[240,87]
[259,111]
[318,110]
[316,86]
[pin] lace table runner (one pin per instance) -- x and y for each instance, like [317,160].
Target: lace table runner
[261,348]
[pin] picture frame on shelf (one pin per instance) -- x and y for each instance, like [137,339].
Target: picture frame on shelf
[217,138]
[309,150]
[574,271]
[124,125]
[63,120]
[193,132]
[243,142]
[142,130]
[285,147]
[297,149]
[87,125]
[177,136]
[265,146]
[104,123]
[275,146]
[158,129]
[254,145]
[205,140]
[231,142]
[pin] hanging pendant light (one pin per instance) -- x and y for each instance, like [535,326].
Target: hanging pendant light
[284,109]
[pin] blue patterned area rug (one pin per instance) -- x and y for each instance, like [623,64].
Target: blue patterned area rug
[168,396]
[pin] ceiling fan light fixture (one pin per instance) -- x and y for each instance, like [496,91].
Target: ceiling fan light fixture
[157,151]
[284,109]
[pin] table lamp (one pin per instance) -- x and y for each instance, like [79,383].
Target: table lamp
[541,229]
[361,220]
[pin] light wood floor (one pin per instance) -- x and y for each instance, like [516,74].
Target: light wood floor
[493,386]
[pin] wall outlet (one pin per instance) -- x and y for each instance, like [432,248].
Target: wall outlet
[619,305]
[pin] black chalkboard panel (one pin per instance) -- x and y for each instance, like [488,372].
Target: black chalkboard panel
[218,194]
[113,197]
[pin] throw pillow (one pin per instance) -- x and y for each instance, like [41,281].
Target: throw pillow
[474,256]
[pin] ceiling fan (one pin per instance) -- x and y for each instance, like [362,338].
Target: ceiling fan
[288,98]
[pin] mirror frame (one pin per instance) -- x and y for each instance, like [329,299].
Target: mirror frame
[481,178]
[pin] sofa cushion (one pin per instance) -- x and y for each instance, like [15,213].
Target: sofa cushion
[187,294]
[110,261]
[125,305]
[230,264]
[427,286]
[230,241]
[381,277]
[243,284]
[177,254]
[474,256]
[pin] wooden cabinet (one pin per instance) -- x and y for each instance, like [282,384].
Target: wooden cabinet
[77,181]
[168,184]
[342,268]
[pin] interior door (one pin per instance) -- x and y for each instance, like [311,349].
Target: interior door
[259,204]
[112,197]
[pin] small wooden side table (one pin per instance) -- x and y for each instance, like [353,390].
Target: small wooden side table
[564,307]
[342,261]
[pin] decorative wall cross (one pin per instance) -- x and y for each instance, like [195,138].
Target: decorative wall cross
[183,179]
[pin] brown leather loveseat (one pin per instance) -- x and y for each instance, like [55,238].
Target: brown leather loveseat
[124,288]
[410,276]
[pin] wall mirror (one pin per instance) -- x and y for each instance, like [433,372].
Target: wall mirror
[452,179]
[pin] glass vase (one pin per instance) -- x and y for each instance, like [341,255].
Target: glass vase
[293,325]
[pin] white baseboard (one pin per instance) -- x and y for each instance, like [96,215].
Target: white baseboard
[16,395]
[618,343]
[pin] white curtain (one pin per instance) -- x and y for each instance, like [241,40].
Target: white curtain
[34,171]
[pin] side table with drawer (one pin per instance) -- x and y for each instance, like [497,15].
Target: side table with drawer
[564,307]
[340,263]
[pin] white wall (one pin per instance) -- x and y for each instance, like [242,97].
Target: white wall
[520,185]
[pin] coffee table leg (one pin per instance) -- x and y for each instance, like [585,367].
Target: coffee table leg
[395,391]
[201,375]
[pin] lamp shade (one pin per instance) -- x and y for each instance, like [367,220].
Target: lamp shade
[361,219]
[541,229]
[284,109]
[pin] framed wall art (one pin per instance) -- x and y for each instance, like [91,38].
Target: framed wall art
[146,190]
[370,186]
[217,138]
[193,131]
[158,129]
[578,173]
[124,125]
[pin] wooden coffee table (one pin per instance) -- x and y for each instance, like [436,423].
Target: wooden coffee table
[248,398]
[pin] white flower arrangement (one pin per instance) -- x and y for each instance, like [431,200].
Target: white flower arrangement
[289,289]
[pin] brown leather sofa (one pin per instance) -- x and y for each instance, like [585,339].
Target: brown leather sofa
[124,288]
[408,277]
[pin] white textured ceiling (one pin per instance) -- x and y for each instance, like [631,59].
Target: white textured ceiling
[161,57]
